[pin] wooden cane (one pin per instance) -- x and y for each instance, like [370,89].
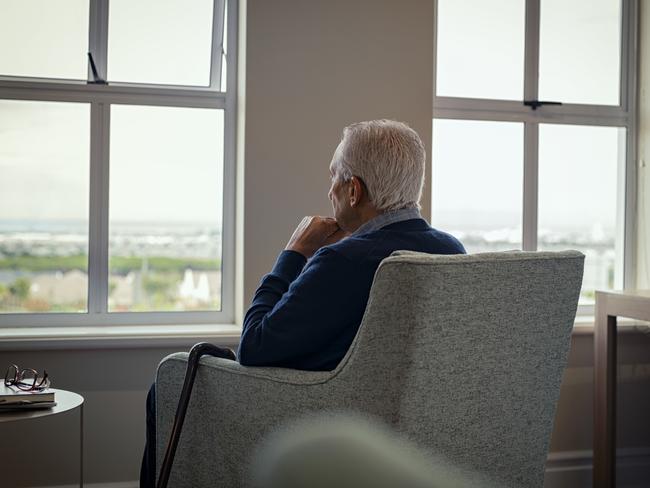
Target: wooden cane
[197,351]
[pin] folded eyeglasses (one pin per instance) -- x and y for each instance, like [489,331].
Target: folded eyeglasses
[26,379]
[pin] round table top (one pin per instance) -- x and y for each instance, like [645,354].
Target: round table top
[65,400]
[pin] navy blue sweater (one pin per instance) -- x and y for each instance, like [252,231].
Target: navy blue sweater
[305,314]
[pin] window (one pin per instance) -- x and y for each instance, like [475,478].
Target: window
[117,130]
[511,172]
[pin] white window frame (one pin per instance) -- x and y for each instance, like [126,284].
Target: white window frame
[101,97]
[624,116]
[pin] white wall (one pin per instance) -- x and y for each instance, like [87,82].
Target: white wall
[312,67]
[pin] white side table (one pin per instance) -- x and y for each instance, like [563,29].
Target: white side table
[65,401]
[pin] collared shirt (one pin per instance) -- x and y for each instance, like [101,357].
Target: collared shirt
[387,218]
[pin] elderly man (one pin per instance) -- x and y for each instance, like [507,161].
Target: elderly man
[307,311]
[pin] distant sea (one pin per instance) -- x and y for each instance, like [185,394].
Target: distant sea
[70,237]
[121,228]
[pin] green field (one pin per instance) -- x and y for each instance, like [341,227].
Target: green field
[118,264]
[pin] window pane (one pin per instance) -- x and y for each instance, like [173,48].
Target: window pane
[481,49]
[166,193]
[477,182]
[578,200]
[44,39]
[167,42]
[580,43]
[44,165]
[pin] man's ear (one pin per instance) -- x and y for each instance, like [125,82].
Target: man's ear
[356,191]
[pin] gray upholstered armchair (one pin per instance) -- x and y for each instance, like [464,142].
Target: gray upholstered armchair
[463,355]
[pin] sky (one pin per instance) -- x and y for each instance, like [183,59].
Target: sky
[167,163]
[481,50]
[478,166]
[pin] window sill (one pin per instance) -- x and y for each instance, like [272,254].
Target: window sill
[111,337]
[160,336]
[585,325]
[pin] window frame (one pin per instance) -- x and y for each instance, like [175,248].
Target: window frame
[624,115]
[101,97]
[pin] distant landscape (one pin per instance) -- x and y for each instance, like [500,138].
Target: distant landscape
[156,267]
[597,245]
[43,267]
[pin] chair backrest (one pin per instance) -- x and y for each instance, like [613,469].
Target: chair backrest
[470,350]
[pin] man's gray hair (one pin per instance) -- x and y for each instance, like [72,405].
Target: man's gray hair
[388,156]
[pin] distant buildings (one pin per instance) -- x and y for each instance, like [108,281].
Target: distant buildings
[60,288]
[200,286]
[63,290]
[121,293]
[198,289]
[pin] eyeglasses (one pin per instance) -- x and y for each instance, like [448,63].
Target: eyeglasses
[26,379]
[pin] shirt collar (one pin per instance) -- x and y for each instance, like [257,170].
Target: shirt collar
[387,218]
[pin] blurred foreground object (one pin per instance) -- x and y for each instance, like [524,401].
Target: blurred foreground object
[350,451]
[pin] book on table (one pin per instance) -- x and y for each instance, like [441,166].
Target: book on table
[12,398]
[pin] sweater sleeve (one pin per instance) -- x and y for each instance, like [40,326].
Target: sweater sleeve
[296,313]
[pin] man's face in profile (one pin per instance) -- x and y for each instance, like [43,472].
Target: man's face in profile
[338,192]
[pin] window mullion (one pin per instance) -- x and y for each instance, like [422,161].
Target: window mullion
[531,50]
[98,222]
[629,94]
[435,54]
[531,129]
[114,93]
[624,230]
[217,44]
[98,37]
[531,185]
[231,226]
[629,55]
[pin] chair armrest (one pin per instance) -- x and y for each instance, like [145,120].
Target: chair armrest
[231,409]
[279,375]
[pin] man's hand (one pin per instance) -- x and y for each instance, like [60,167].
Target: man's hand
[313,233]
[336,237]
